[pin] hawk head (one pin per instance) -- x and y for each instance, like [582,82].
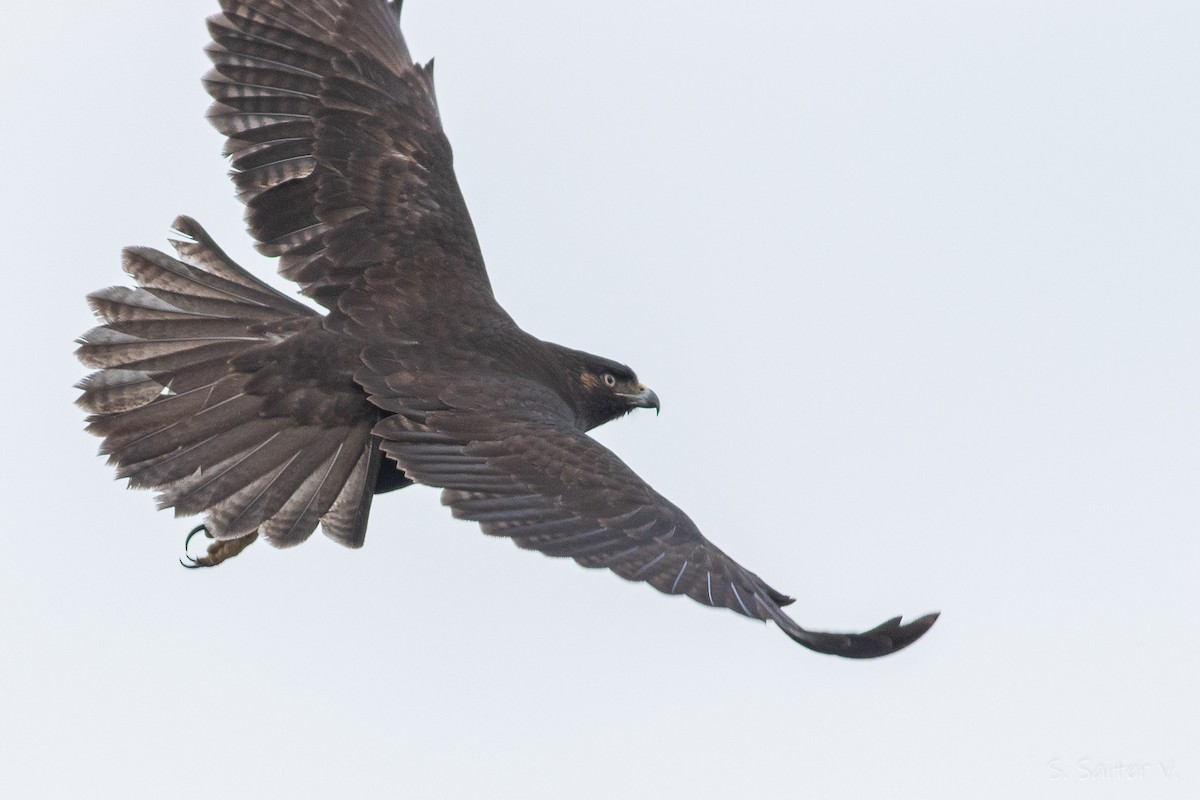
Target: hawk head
[606,390]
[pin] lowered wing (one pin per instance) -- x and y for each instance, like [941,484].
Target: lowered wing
[527,473]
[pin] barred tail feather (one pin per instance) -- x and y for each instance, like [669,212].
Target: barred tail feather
[176,401]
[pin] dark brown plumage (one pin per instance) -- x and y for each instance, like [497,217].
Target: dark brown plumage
[233,401]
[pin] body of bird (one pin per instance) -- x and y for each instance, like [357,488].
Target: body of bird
[270,418]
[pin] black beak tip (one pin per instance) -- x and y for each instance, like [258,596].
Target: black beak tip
[648,399]
[643,398]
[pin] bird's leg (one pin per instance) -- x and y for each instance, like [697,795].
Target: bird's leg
[219,550]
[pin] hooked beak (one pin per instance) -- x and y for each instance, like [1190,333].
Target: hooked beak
[645,398]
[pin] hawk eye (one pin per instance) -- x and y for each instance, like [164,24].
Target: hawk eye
[609,380]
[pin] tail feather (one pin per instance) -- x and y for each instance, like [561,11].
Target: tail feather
[335,482]
[300,460]
[117,303]
[184,331]
[223,430]
[346,522]
[120,430]
[117,390]
[200,250]
[182,401]
[275,452]
[300,512]
[107,348]
[209,448]
[153,269]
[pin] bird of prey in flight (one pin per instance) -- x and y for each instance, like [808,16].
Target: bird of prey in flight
[237,402]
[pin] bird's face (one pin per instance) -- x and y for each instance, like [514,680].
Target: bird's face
[611,390]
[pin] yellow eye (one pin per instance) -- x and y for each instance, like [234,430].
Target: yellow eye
[609,380]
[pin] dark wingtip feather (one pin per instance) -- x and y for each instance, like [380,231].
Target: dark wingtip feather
[779,597]
[881,640]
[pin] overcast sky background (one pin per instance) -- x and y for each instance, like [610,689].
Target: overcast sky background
[917,284]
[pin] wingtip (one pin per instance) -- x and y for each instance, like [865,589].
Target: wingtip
[884,639]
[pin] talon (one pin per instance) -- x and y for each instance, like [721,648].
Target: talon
[193,532]
[218,551]
[188,543]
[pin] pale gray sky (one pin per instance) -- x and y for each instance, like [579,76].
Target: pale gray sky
[917,283]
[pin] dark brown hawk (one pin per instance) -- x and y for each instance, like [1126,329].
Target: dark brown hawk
[236,402]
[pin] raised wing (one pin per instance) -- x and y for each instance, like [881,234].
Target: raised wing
[530,475]
[338,150]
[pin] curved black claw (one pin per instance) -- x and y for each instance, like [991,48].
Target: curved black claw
[187,543]
[881,640]
[219,550]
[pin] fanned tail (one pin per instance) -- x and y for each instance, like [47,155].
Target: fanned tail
[201,392]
